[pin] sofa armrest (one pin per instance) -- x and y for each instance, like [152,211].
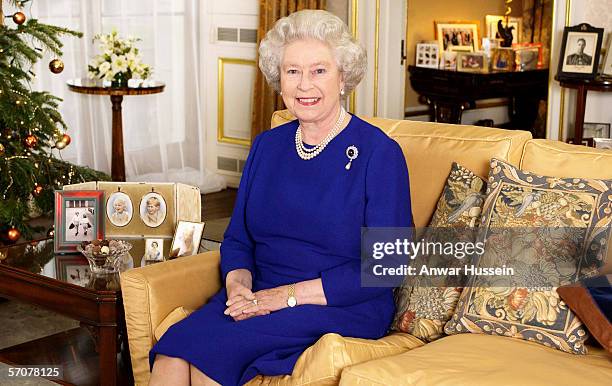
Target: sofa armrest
[150,293]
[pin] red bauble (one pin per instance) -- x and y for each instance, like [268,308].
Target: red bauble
[66,139]
[13,234]
[30,141]
[37,190]
[19,18]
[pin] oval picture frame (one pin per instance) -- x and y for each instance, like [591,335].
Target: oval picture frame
[153,220]
[111,212]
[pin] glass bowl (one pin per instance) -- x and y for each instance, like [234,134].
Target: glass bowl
[105,263]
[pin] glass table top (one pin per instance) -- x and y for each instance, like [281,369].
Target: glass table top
[97,83]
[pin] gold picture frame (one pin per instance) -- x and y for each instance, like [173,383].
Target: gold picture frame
[457,35]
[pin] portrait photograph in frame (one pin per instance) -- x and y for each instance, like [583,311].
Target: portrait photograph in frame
[472,62]
[603,143]
[154,252]
[119,209]
[153,209]
[526,58]
[460,36]
[606,69]
[427,55]
[596,130]
[580,50]
[502,59]
[79,216]
[73,269]
[516,23]
[187,238]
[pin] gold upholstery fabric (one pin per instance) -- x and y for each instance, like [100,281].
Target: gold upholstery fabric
[475,360]
[430,149]
[151,293]
[558,159]
[322,363]
[174,317]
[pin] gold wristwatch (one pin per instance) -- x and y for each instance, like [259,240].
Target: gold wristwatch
[291,300]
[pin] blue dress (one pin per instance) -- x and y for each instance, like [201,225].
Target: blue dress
[298,220]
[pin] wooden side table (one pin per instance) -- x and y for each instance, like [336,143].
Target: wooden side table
[87,86]
[582,86]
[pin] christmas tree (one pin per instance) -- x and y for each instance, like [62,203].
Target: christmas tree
[30,124]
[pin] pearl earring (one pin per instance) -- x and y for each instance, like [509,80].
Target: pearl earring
[342,91]
[281,93]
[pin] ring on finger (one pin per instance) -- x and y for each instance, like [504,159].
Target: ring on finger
[254,301]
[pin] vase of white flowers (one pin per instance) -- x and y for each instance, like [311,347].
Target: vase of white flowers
[119,60]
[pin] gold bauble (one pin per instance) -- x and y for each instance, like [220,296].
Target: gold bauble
[2,150]
[13,234]
[37,190]
[30,141]
[60,144]
[56,66]
[19,18]
[66,139]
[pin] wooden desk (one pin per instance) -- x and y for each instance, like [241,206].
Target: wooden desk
[449,93]
[582,86]
[87,86]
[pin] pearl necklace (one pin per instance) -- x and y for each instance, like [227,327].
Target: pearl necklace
[309,153]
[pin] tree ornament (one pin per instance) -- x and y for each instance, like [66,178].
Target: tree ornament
[56,66]
[19,18]
[60,144]
[66,139]
[37,190]
[13,234]
[51,231]
[2,150]
[30,141]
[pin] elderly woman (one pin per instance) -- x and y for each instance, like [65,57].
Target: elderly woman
[290,259]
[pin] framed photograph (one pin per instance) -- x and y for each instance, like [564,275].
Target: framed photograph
[580,50]
[514,23]
[472,61]
[154,252]
[603,143]
[119,209]
[79,216]
[460,36]
[585,142]
[526,58]
[427,55]
[520,46]
[187,238]
[596,130]
[153,209]
[502,59]
[606,69]
[448,60]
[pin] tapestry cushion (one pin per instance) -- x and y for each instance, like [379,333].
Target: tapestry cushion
[591,300]
[423,308]
[544,232]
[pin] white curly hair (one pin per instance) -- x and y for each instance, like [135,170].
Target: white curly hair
[351,57]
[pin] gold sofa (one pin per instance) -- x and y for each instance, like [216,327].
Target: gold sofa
[157,296]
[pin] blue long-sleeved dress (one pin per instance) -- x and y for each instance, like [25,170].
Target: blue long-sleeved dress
[298,220]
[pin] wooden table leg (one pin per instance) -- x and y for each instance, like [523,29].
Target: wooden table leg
[118,161]
[107,346]
[580,107]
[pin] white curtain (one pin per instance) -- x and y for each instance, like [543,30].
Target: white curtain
[164,136]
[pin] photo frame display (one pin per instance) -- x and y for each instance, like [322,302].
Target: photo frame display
[580,50]
[154,252]
[187,238]
[596,130]
[472,62]
[503,59]
[526,58]
[119,209]
[448,60]
[79,216]
[427,55]
[606,69]
[515,23]
[153,209]
[462,36]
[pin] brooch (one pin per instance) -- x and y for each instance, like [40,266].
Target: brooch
[351,153]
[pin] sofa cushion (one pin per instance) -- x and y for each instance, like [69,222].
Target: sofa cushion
[425,304]
[550,231]
[592,302]
[483,360]
[322,363]
[178,314]
[558,159]
[430,149]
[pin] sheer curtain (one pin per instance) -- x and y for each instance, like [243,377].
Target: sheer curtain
[164,137]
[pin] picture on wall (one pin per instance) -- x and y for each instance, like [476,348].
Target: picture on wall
[514,23]
[457,35]
[79,216]
[580,50]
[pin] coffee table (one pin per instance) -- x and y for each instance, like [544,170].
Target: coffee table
[32,273]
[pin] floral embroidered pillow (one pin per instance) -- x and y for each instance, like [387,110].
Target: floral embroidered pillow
[423,308]
[550,232]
